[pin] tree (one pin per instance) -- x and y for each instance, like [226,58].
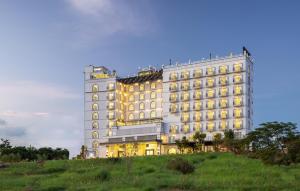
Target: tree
[199,139]
[5,144]
[217,141]
[179,145]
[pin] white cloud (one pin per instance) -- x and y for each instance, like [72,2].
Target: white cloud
[98,18]
[38,114]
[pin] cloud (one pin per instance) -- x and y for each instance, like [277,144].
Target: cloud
[98,18]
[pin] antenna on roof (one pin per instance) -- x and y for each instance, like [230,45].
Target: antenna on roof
[210,56]
[170,61]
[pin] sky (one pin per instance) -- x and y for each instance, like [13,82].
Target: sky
[45,45]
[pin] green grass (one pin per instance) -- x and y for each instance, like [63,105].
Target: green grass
[213,171]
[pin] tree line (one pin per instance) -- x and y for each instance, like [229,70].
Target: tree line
[8,153]
[272,142]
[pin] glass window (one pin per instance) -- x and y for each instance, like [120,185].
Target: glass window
[185,96]
[142,115]
[131,98]
[111,105]
[111,86]
[173,86]
[131,107]
[111,124]
[210,82]
[173,76]
[111,96]
[223,103]
[223,80]
[173,97]
[223,91]
[223,69]
[142,96]
[173,129]
[210,93]
[95,135]
[185,85]
[237,78]
[223,114]
[152,114]
[237,67]
[95,97]
[237,90]
[95,116]
[197,84]
[237,112]
[197,73]
[210,71]
[185,107]
[95,144]
[237,101]
[186,128]
[95,125]
[197,116]
[238,123]
[210,104]
[173,108]
[153,105]
[130,116]
[223,124]
[197,126]
[95,88]
[142,87]
[197,106]
[95,107]
[153,85]
[210,126]
[131,88]
[185,117]
[142,106]
[197,95]
[153,95]
[185,75]
[111,115]
[210,115]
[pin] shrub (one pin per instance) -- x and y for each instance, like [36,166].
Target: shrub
[212,156]
[11,157]
[114,160]
[198,160]
[180,165]
[149,170]
[104,175]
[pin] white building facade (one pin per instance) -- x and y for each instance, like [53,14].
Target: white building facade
[146,113]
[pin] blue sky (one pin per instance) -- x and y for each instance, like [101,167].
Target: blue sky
[44,46]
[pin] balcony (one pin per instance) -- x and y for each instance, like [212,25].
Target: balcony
[210,71]
[237,68]
[173,88]
[197,107]
[173,77]
[185,76]
[223,82]
[185,87]
[237,79]
[197,118]
[197,96]
[110,87]
[197,74]
[223,70]
[173,99]
[197,85]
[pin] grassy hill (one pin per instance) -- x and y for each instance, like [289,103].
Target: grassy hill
[213,171]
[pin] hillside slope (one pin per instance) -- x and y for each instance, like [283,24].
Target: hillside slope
[213,171]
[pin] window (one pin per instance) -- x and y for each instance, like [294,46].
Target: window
[197,84]
[152,114]
[237,101]
[153,105]
[185,85]
[111,115]
[197,116]
[197,106]
[131,107]
[130,116]
[153,95]
[142,87]
[186,128]
[237,90]
[210,115]
[95,107]
[131,98]
[173,129]
[238,123]
[111,86]
[122,116]
[210,82]
[223,69]
[210,93]
[223,114]
[142,106]
[95,135]
[185,117]
[153,85]
[237,78]
[223,103]
[95,144]
[210,126]
[142,96]
[173,108]
[111,96]
[111,105]
[185,96]
[173,76]
[111,124]
[223,80]
[173,97]
[95,125]
[185,107]
[223,91]
[197,73]
[173,86]
[197,126]
[95,97]
[237,67]
[185,75]
[210,71]
[142,115]
[197,95]
[131,88]
[95,116]
[223,124]
[210,104]
[237,112]
[95,88]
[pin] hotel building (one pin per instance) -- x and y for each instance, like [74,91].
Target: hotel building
[144,114]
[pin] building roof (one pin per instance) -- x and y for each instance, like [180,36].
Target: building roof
[140,79]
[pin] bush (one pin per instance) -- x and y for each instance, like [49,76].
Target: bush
[212,156]
[104,175]
[11,157]
[149,170]
[180,165]
[114,160]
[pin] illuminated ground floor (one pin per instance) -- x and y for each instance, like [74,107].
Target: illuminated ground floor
[146,149]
